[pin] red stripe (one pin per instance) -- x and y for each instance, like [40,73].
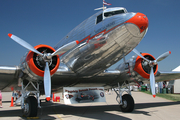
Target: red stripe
[105,32]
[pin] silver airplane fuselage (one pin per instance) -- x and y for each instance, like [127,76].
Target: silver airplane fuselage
[104,38]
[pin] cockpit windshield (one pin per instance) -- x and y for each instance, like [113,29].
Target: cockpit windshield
[108,14]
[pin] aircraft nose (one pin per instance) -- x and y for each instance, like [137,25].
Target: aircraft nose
[140,20]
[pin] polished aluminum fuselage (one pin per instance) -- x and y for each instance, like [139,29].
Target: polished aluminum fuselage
[92,56]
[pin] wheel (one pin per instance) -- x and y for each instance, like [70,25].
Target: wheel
[30,107]
[128,103]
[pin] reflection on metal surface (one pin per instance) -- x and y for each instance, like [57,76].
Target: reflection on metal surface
[116,43]
[8,70]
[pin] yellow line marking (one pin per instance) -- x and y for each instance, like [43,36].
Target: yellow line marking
[32,117]
[59,116]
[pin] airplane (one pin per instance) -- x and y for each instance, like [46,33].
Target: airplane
[82,59]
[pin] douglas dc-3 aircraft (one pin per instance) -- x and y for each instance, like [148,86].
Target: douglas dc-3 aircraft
[82,57]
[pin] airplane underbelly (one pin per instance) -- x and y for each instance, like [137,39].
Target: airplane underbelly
[92,58]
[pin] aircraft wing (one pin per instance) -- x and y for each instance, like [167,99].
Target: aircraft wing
[65,77]
[107,79]
[167,76]
[8,76]
[123,75]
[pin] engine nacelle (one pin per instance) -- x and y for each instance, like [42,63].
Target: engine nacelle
[33,64]
[142,67]
[137,68]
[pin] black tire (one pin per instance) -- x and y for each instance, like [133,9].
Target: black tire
[128,103]
[31,101]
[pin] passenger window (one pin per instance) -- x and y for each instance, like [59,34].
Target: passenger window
[99,18]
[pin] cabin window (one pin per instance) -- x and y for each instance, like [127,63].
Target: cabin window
[108,14]
[99,18]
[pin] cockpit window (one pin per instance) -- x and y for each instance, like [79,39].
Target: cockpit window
[99,18]
[108,14]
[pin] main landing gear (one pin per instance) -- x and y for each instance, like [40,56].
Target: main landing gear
[30,101]
[125,101]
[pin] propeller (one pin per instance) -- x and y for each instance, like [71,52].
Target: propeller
[152,63]
[24,43]
[47,82]
[46,57]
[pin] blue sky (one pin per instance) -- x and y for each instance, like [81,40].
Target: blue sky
[47,21]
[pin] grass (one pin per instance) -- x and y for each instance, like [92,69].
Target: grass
[173,97]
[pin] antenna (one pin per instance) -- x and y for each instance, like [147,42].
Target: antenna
[104,3]
[100,8]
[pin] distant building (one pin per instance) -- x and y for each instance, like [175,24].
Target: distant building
[174,85]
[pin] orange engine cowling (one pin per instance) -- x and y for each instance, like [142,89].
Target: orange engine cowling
[34,65]
[142,67]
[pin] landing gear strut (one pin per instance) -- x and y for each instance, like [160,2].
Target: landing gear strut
[30,101]
[125,101]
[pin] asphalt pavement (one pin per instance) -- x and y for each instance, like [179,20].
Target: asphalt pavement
[146,107]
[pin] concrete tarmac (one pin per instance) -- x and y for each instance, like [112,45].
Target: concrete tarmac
[146,107]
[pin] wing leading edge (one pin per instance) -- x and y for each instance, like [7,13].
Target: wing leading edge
[167,76]
[8,77]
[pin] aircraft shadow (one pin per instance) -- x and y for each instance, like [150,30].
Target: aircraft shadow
[140,106]
[94,112]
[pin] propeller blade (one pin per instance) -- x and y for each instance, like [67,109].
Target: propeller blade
[65,48]
[152,82]
[24,43]
[138,53]
[163,56]
[47,82]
